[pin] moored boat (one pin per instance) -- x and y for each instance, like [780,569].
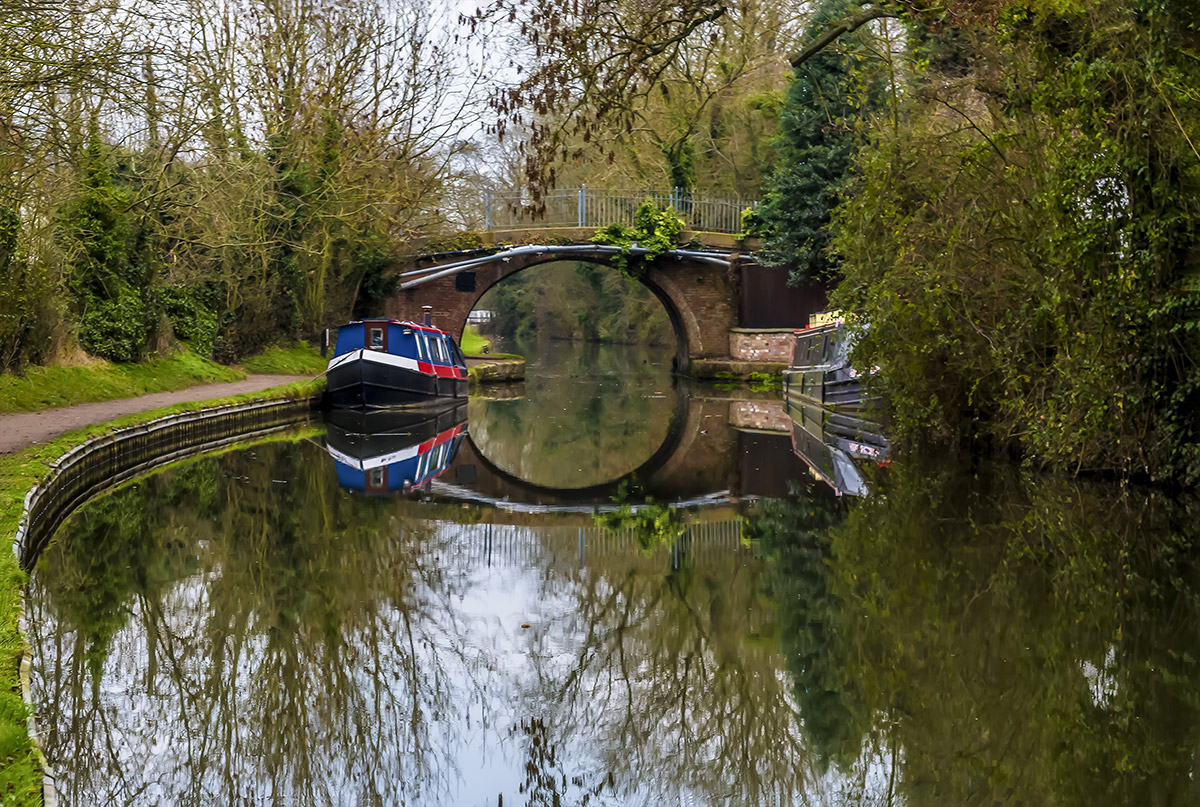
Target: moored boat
[820,372]
[381,363]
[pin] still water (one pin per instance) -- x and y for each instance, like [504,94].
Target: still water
[287,624]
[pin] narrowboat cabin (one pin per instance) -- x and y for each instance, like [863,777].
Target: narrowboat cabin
[393,451]
[379,363]
[820,371]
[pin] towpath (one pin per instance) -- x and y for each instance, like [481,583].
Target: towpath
[21,429]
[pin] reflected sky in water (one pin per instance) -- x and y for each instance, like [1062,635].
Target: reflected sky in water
[243,629]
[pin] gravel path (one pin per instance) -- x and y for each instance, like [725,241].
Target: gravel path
[22,429]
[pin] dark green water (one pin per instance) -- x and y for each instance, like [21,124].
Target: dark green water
[242,629]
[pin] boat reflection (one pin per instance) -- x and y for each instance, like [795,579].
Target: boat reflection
[835,444]
[393,451]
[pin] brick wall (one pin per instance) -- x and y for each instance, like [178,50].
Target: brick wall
[701,298]
[761,345]
[765,415]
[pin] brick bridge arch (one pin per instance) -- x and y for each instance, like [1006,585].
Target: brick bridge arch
[699,294]
[697,457]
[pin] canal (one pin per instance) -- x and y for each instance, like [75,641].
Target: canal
[602,587]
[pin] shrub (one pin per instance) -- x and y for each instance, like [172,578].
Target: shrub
[115,329]
[654,230]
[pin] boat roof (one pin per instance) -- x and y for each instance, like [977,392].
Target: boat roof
[406,323]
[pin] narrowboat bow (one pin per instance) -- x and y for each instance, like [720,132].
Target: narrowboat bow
[380,363]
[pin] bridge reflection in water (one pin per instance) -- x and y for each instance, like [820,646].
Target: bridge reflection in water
[386,452]
[562,546]
[705,469]
[422,645]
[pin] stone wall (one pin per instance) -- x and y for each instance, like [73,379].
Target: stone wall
[774,344]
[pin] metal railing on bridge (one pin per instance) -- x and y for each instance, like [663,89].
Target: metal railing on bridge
[594,207]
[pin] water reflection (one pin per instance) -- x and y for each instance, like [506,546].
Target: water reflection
[589,414]
[385,451]
[837,447]
[1004,638]
[243,629]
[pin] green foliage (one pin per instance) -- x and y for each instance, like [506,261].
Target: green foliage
[753,224]
[654,230]
[829,97]
[193,317]
[1024,274]
[26,298]
[372,263]
[115,329]
[105,278]
[654,525]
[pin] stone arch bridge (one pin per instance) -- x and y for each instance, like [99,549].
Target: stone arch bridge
[711,290]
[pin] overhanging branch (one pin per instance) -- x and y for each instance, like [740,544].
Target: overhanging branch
[841,29]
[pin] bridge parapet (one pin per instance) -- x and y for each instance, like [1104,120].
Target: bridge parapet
[585,207]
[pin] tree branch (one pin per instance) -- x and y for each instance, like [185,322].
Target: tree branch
[848,27]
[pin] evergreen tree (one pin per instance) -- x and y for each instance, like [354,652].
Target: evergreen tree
[815,147]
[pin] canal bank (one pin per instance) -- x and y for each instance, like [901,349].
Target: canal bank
[22,473]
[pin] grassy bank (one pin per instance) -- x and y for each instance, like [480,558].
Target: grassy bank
[299,359]
[49,387]
[20,776]
[473,343]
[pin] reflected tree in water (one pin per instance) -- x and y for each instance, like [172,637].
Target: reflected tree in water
[294,639]
[673,678]
[792,536]
[592,415]
[1022,639]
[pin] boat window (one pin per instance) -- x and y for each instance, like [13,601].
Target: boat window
[376,338]
[377,477]
[443,354]
[422,347]
[422,466]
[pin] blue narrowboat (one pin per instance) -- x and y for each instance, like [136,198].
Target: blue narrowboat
[396,451]
[381,363]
